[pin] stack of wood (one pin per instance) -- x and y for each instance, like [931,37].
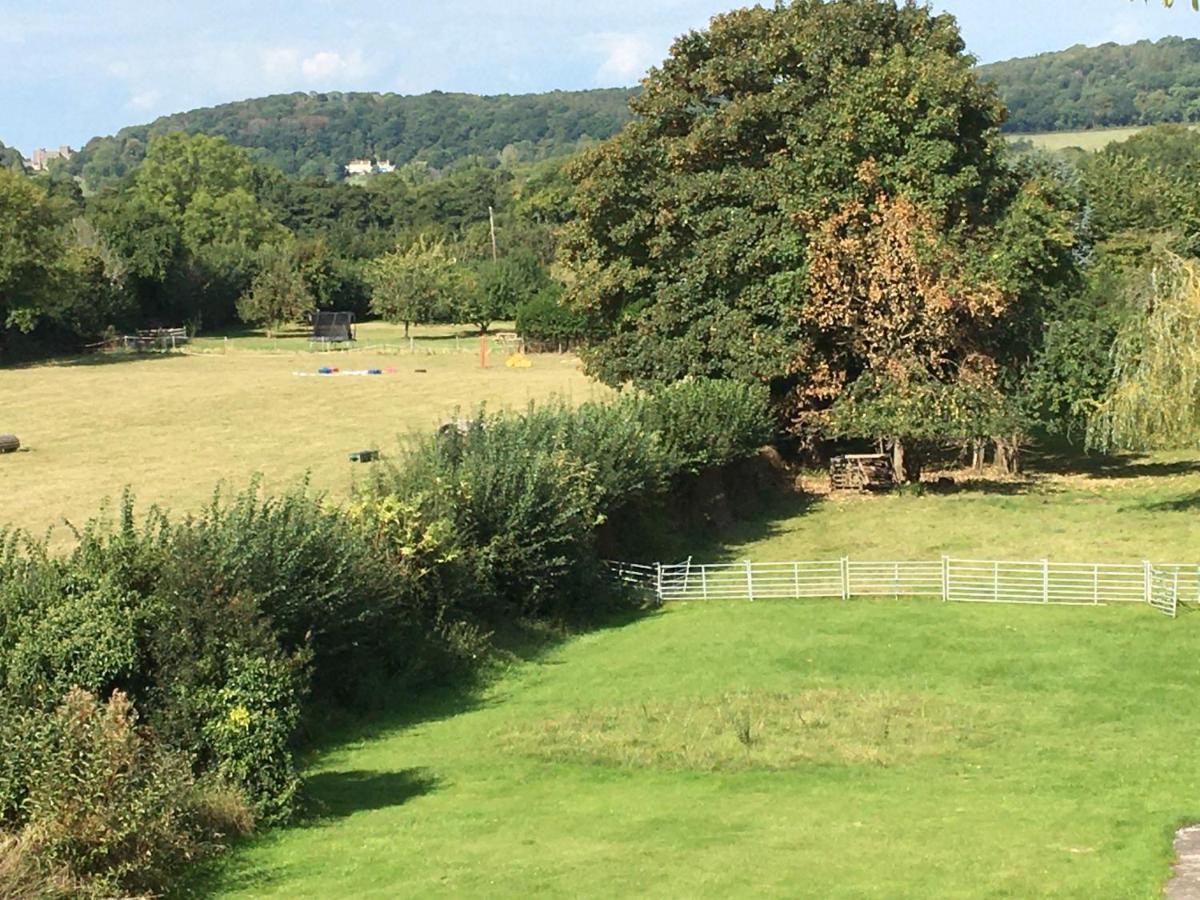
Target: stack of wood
[861,472]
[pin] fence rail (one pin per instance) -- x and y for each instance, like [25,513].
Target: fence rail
[1161,585]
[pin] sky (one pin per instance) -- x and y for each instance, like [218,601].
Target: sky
[73,69]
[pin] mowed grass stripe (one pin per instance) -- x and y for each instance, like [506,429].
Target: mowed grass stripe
[1078,770]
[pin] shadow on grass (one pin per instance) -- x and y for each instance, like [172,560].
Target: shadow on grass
[1186,503]
[773,518]
[391,706]
[335,795]
[981,484]
[328,796]
[119,357]
[1124,465]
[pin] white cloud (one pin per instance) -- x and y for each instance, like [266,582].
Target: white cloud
[626,56]
[280,62]
[143,101]
[327,64]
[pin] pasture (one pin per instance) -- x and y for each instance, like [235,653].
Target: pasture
[1088,139]
[866,748]
[172,426]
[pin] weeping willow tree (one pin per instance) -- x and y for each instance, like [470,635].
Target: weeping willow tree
[1153,400]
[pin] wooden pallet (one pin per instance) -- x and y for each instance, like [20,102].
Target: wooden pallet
[861,472]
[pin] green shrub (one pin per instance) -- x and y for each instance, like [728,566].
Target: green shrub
[219,628]
[102,805]
[543,320]
[521,512]
[709,423]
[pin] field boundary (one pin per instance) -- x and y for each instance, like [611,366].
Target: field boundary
[950,579]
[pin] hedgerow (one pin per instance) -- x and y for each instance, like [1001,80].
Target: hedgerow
[188,651]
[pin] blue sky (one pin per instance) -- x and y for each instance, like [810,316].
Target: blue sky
[73,69]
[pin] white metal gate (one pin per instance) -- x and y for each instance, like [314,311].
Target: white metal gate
[1162,585]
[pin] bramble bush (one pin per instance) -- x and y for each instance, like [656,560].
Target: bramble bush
[96,805]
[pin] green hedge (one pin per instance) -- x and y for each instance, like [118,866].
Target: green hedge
[543,320]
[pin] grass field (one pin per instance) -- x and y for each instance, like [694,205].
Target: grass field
[824,749]
[860,749]
[817,749]
[1122,509]
[173,425]
[1090,139]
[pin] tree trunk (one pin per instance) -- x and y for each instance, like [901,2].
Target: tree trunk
[1008,454]
[406,323]
[977,454]
[906,462]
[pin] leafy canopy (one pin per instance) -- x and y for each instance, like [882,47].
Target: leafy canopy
[279,293]
[417,284]
[31,251]
[808,193]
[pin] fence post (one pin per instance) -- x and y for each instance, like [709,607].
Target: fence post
[845,573]
[1147,582]
[658,582]
[704,581]
[945,578]
[796,578]
[750,579]
[687,574]
[996,580]
[1175,594]
[1095,583]
[1045,581]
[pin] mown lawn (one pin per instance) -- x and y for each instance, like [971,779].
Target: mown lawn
[1068,508]
[823,749]
[804,748]
[172,426]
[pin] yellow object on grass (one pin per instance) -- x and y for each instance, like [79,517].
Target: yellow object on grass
[518,361]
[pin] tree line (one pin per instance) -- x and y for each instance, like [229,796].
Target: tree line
[199,235]
[1097,87]
[841,223]
[316,134]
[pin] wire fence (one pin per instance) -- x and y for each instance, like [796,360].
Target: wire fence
[1161,585]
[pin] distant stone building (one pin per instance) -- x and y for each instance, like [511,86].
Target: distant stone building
[384,167]
[41,159]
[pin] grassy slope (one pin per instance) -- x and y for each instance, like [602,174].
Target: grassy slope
[1067,767]
[897,748]
[1120,510]
[175,425]
[1091,139]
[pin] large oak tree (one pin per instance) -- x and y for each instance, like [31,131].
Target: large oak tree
[807,193]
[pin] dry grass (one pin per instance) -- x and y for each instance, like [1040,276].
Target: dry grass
[173,426]
[1089,140]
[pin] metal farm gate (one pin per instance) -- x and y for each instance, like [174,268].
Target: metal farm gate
[1161,585]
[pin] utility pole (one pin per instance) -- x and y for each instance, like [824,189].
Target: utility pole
[492,222]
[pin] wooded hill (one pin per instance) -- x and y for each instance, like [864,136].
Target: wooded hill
[315,134]
[1107,86]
